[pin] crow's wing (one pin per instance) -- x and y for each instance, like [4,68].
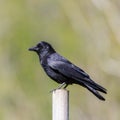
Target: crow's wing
[71,71]
[58,62]
[66,69]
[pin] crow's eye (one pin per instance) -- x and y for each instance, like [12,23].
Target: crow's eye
[39,45]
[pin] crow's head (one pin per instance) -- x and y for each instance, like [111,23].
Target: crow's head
[42,48]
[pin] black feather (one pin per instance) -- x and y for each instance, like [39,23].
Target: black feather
[63,71]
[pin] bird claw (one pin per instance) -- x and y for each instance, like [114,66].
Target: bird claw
[60,87]
[54,90]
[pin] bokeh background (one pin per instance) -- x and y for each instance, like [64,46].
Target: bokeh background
[87,32]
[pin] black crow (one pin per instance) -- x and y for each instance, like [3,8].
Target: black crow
[63,71]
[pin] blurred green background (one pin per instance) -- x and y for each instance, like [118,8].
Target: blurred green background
[86,32]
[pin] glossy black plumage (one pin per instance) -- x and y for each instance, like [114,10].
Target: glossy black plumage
[63,71]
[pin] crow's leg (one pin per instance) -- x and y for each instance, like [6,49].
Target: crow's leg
[63,84]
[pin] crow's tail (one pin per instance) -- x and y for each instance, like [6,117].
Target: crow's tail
[95,92]
[94,85]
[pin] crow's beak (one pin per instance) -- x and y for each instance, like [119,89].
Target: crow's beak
[33,49]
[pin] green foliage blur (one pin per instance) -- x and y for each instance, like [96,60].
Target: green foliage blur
[85,32]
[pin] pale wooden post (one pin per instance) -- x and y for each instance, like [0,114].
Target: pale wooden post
[60,104]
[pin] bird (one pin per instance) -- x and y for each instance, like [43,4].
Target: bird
[63,71]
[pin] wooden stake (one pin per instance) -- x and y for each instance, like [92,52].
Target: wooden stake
[60,104]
